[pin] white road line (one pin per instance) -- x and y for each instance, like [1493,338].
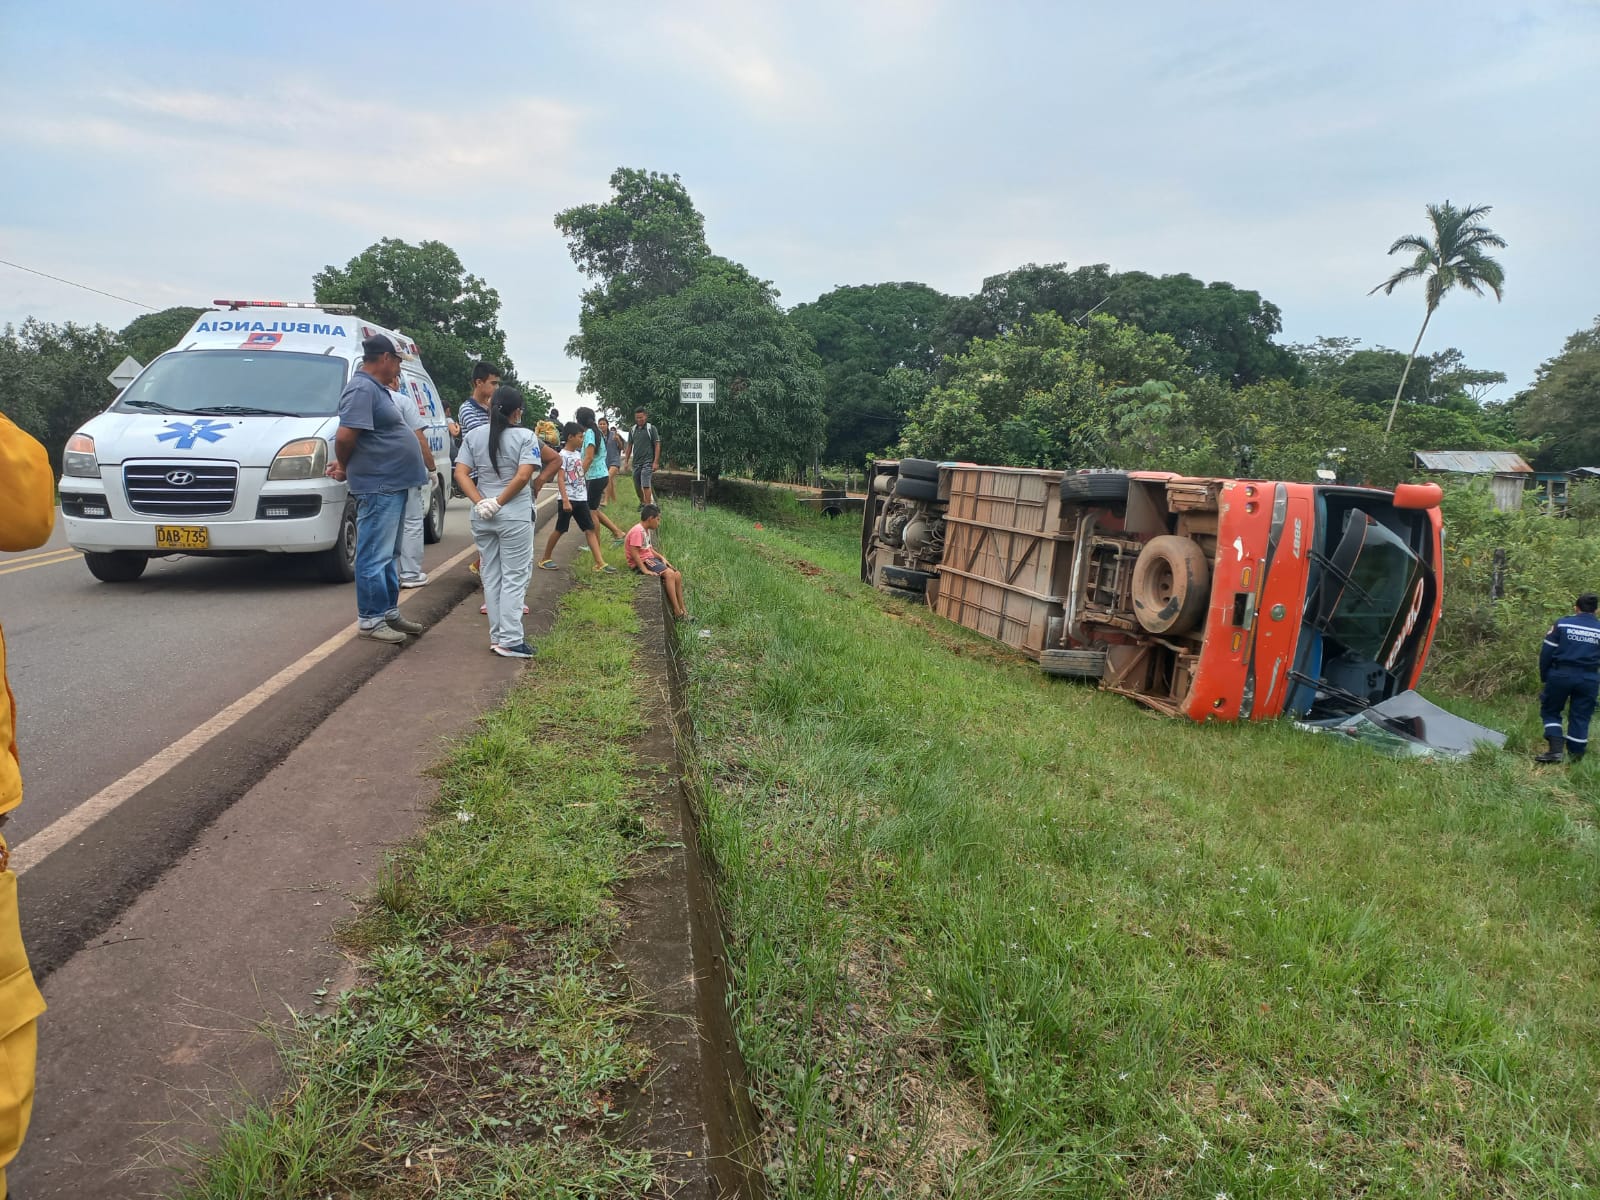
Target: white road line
[63,830]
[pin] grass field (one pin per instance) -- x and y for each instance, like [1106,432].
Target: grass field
[481,1056]
[998,935]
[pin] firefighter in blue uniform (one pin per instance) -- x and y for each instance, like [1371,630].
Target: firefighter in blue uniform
[1569,668]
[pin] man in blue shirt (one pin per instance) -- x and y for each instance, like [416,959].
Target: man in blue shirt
[380,460]
[1569,668]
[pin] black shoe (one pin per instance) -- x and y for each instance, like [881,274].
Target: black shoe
[1575,757]
[1552,755]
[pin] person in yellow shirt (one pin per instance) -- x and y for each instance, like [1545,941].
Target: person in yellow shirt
[27,514]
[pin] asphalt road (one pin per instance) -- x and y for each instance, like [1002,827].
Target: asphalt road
[107,675]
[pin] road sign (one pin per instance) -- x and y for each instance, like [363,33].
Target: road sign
[697,391]
[127,371]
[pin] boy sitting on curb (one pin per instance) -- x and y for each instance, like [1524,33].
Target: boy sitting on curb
[643,557]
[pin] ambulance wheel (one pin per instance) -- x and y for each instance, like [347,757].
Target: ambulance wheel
[433,523]
[116,566]
[337,564]
[1171,584]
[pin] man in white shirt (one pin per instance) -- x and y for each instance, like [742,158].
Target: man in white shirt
[410,558]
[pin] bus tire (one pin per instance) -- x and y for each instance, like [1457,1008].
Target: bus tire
[1171,584]
[1095,485]
[115,566]
[916,489]
[919,468]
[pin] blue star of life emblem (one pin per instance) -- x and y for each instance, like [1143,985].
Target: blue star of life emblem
[183,435]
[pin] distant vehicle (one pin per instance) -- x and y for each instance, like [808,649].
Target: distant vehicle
[219,447]
[1224,599]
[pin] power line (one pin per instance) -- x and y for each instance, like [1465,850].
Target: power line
[71,283]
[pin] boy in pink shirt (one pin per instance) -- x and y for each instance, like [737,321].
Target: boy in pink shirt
[639,546]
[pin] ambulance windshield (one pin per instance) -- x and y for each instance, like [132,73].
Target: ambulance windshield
[241,382]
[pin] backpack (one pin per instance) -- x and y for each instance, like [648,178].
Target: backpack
[650,435]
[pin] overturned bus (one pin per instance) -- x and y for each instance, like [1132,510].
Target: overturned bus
[1228,599]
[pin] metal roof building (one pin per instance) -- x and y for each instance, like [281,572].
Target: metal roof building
[1509,474]
[1473,462]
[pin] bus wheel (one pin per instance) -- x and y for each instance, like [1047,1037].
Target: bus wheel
[1171,584]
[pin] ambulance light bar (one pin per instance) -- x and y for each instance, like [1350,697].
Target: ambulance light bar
[236,305]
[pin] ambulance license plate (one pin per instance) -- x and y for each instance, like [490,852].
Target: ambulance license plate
[182,537]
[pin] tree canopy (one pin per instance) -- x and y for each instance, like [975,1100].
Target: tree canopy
[662,307]
[874,341]
[53,377]
[1562,408]
[425,292]
[157,332]
[1227,331]
[1054,394]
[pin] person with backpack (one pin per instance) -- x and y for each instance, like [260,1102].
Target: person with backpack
[643,454]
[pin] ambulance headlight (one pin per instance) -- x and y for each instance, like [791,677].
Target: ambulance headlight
[79,459]
[303,459]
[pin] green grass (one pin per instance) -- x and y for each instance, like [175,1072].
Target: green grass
[482,1054]
[1000,935]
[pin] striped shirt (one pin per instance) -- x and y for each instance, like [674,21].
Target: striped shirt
[471,416]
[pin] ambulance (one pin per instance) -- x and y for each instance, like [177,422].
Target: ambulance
[221,445]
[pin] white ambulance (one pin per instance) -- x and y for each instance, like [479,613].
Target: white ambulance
[221,444]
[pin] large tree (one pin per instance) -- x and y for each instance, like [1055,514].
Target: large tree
[868,339]
[53,377]
[647,240]
[662,307]
[1453,253]
[1227,331]
[157,332]
[1562,408]
[1054,394]
[425,292]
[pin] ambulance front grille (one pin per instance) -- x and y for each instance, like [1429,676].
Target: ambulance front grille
[180,489]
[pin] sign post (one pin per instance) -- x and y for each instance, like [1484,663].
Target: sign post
[697,392]
[127,371]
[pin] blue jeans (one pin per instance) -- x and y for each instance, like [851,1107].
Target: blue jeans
[379,528]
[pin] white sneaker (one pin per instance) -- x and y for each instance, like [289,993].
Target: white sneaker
[415,582]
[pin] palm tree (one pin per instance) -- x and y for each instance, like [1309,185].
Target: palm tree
[1454,257]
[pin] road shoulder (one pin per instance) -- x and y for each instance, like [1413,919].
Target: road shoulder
[152,1034]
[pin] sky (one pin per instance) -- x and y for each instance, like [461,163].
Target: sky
[176,153]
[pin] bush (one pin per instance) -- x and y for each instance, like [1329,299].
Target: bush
[1488,647]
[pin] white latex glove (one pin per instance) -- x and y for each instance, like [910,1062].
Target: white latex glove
[486,508]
